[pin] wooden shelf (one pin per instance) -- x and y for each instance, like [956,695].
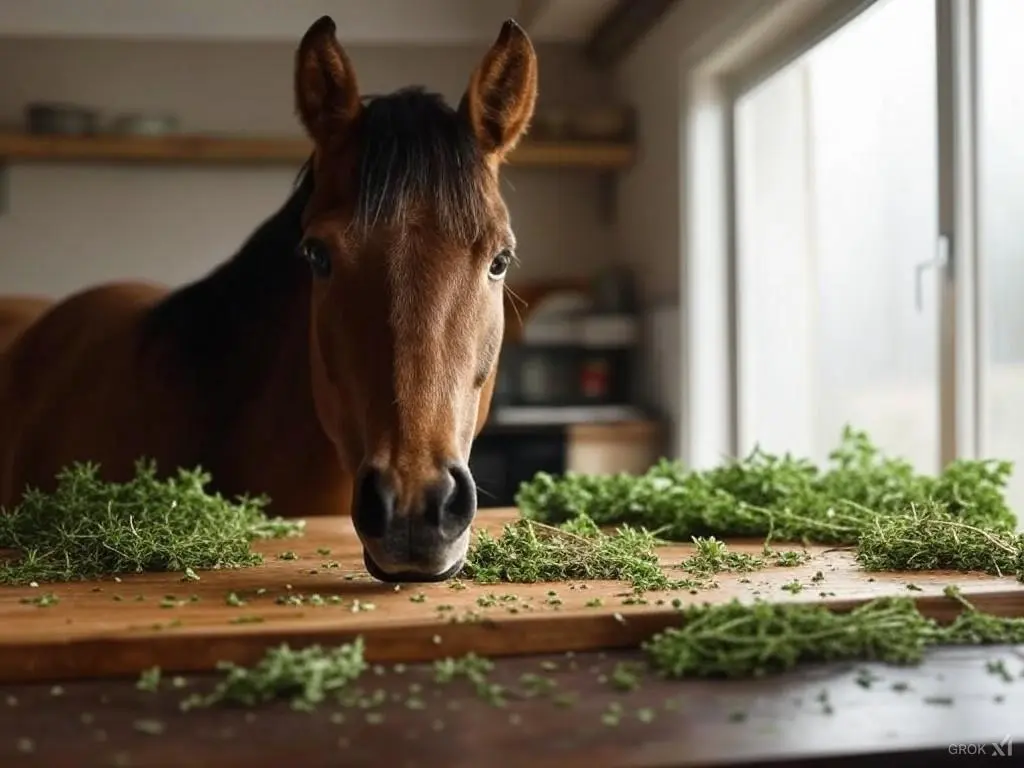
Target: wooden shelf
[211,150]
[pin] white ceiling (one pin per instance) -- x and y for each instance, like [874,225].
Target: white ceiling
[359,21]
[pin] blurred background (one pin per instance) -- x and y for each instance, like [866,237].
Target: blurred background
[741,222]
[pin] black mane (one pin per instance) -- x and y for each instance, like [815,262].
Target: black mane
[414,148]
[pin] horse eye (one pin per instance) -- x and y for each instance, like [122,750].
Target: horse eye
[317,254]
[499,265]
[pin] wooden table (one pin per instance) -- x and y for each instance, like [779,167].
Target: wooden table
[92,646]
[919,716]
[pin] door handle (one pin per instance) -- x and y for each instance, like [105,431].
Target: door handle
[940,261]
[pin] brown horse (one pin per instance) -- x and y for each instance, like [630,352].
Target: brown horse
[343,360]
[16,314]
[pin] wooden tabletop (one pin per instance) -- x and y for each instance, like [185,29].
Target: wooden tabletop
[833,715]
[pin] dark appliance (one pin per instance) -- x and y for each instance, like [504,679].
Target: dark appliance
[504,457]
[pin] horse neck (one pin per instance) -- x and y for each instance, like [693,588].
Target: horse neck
[238,341]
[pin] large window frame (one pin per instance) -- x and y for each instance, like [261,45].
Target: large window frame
[753,46]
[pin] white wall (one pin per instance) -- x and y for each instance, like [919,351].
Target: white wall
[69,226]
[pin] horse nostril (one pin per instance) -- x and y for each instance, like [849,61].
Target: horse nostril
[373,503]
[453,503]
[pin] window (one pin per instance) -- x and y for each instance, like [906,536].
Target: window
[836,176]
[1001,235]
[858,166]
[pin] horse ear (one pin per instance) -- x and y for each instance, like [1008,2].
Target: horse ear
[326,92]
[502,92]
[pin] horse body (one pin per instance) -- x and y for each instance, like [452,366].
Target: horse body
[342,361]
[16,314]
[126,371]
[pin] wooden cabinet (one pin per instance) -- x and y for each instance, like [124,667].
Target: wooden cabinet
[631,446]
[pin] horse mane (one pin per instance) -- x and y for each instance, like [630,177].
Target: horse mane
[414,148]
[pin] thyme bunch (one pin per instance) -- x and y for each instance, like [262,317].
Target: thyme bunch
[780,497]
[931,539]
[88,527]
[527,551]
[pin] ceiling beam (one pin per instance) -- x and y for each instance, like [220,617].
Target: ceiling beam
[623,27]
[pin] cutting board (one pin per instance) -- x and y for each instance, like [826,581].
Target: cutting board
[112,628]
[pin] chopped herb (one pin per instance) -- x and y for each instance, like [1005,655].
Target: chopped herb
[43,601]
[304,676]
[626,676]
[712,556]
[150,727]
[998,667]
[149,680]
[234,600]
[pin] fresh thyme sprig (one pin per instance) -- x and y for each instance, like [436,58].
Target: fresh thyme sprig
[737,640]
[89,527]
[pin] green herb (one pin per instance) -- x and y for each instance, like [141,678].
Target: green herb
[305,676]
[234,600]
[645,715]
[475,669]
[736,640]
[87,528]
[150,727]
[932,540]
[712,556]
[998,667]
[779,497]
[528,552]
[289,555]
[613,715]
[626,676]
[43,601]
[149,680]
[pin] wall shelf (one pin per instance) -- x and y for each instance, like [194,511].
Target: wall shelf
[17,148]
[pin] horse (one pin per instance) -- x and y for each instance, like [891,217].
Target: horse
[342,361]
[17,312]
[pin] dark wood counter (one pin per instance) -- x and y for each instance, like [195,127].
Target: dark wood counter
[837,715]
